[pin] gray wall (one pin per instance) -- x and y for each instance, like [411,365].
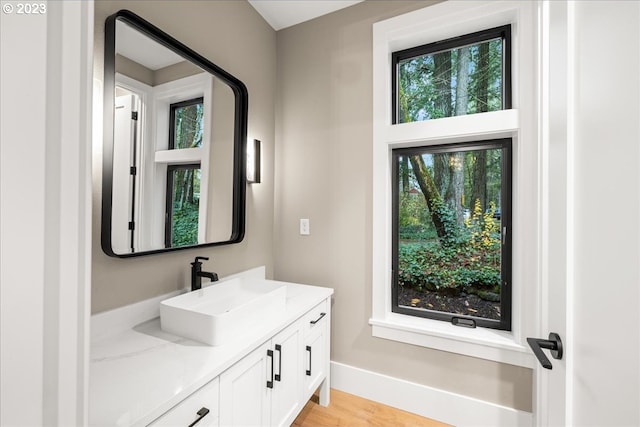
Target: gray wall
[234,36]
[324,172]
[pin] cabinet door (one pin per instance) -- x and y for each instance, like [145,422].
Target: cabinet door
[244,390]
[200,409]
[316,352]
[286,399]
[315,361]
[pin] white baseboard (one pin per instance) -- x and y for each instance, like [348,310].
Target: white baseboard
[440,405]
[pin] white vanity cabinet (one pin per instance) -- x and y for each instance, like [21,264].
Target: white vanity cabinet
[200,409]
[265,387]
[143,376]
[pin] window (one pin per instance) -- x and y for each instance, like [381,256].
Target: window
[418,112]
[451,260]
[451,240]
[183,205]
[186,125]
[454,77]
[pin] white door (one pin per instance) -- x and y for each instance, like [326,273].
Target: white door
[591,233]
[124,138]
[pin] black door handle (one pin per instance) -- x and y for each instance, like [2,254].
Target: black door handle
[554,343]
[308,371]
[313,322]
[278,376]
[201,414]
[270,355]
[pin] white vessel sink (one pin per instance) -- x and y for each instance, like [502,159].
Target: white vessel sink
[224,310]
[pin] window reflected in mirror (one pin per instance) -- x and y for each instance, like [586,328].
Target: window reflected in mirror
[187,124]
[183,201]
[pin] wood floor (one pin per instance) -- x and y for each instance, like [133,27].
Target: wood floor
[347,410]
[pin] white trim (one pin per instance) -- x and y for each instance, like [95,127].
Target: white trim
[484,343]
[554,389]
[180,156]
[494,124]
[423,26]
[440,405]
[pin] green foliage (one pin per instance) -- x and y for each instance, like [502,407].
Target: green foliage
[413,210]
[469,262]
[484,229]
[455,235]
[185,225]
[420,233]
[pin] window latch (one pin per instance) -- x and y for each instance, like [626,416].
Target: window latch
[461,321]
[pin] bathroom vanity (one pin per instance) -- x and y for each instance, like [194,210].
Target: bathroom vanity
[264,375]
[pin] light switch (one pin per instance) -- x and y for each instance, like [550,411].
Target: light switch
[304,227]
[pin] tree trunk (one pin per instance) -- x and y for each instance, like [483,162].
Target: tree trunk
[429,191]
[442,77]
[455,189]
[442,104]
[191,180]
[405,174]
[482,79]
[462,81]
[441,172]
[479,175]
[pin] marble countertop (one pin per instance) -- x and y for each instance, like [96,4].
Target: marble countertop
[138,372]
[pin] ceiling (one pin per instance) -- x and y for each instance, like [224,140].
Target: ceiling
[142,49]
[285,13]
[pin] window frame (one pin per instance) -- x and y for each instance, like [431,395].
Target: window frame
[505,223]
[503,32]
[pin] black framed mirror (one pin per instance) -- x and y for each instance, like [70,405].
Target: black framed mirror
[174,154]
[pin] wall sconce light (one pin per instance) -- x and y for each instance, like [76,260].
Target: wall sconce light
[253,162]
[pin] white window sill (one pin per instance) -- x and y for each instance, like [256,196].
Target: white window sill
[490,344]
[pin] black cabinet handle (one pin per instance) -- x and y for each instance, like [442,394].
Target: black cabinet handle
[279,374]
[309,350]
[270,354]
[313,322]
[201,414]
[554,343]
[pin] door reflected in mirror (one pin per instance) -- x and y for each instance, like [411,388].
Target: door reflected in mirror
[175,132]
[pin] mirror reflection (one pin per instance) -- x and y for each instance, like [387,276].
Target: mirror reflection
[178,133]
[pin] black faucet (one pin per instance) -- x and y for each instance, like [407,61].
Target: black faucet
[197,274]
